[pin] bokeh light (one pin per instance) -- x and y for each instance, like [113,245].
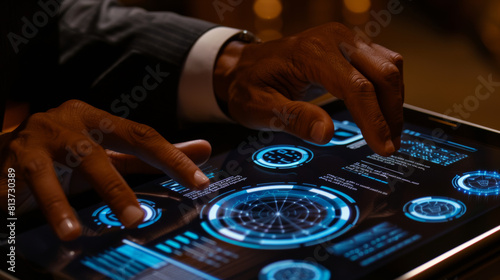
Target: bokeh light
[357,6]
[267,9]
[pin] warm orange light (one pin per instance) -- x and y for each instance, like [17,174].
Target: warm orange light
[269,34]
[357,6]
[267,9]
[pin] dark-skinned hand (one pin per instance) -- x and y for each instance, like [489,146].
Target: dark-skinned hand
[257,82]
[74,137]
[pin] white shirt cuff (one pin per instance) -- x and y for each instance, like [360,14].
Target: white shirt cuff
[196,98]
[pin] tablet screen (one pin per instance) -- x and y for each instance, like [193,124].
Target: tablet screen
[279,207]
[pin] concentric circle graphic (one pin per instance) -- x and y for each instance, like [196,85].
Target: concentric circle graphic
[478,183]
[279,216]
[434,209]
[104,216]
[282,156]
[294,269]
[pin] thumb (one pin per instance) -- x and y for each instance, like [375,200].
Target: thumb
[306,121]
[276,112]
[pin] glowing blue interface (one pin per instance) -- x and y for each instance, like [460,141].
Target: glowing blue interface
[104,216]
[373,244]
[200,248]
[345,133]
[282,156]
[133,260]
[427,149]
[279,216]
[434,209]
[209,171]
[478,183]
[294,269]
[278,207]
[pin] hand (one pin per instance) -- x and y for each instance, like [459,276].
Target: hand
[70,137]
[259,81]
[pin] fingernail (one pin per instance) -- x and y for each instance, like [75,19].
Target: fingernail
[132,215]
[318,132]
[396,142]
[389,147]
[201,180]
[66,228]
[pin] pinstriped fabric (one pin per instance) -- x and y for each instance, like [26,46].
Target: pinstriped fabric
[97,38]
[164,35]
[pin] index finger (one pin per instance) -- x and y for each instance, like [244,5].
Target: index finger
[129,137]
[384,68]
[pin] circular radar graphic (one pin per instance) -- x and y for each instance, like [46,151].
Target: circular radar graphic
[296,270]
[279,216]
[282,156]
[104,216]
[478,183]
[434,209]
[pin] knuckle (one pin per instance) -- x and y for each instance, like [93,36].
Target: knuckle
[338,27]
[73,104]
[397,58]
[291,115]
[36,164]
[17,144]
[38,119]
[177,159]
[140,134]
[360,84]
[390,72]
[113,190]
[53,203]
[83,147]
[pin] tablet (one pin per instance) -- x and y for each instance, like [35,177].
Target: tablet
[279,207]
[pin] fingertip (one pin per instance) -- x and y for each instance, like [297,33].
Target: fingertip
[389,147]
[201,180]
[317,133]
[68,229]
[132,216]
[197,150]
[397,142]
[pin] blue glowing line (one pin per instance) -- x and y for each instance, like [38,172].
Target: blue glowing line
[170,260]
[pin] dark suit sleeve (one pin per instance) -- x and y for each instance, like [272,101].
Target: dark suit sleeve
[124,59]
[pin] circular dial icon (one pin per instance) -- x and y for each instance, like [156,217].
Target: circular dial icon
[478,183]
[279,216]
[294,269]
[434,209]
[282,156]
[104,215]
